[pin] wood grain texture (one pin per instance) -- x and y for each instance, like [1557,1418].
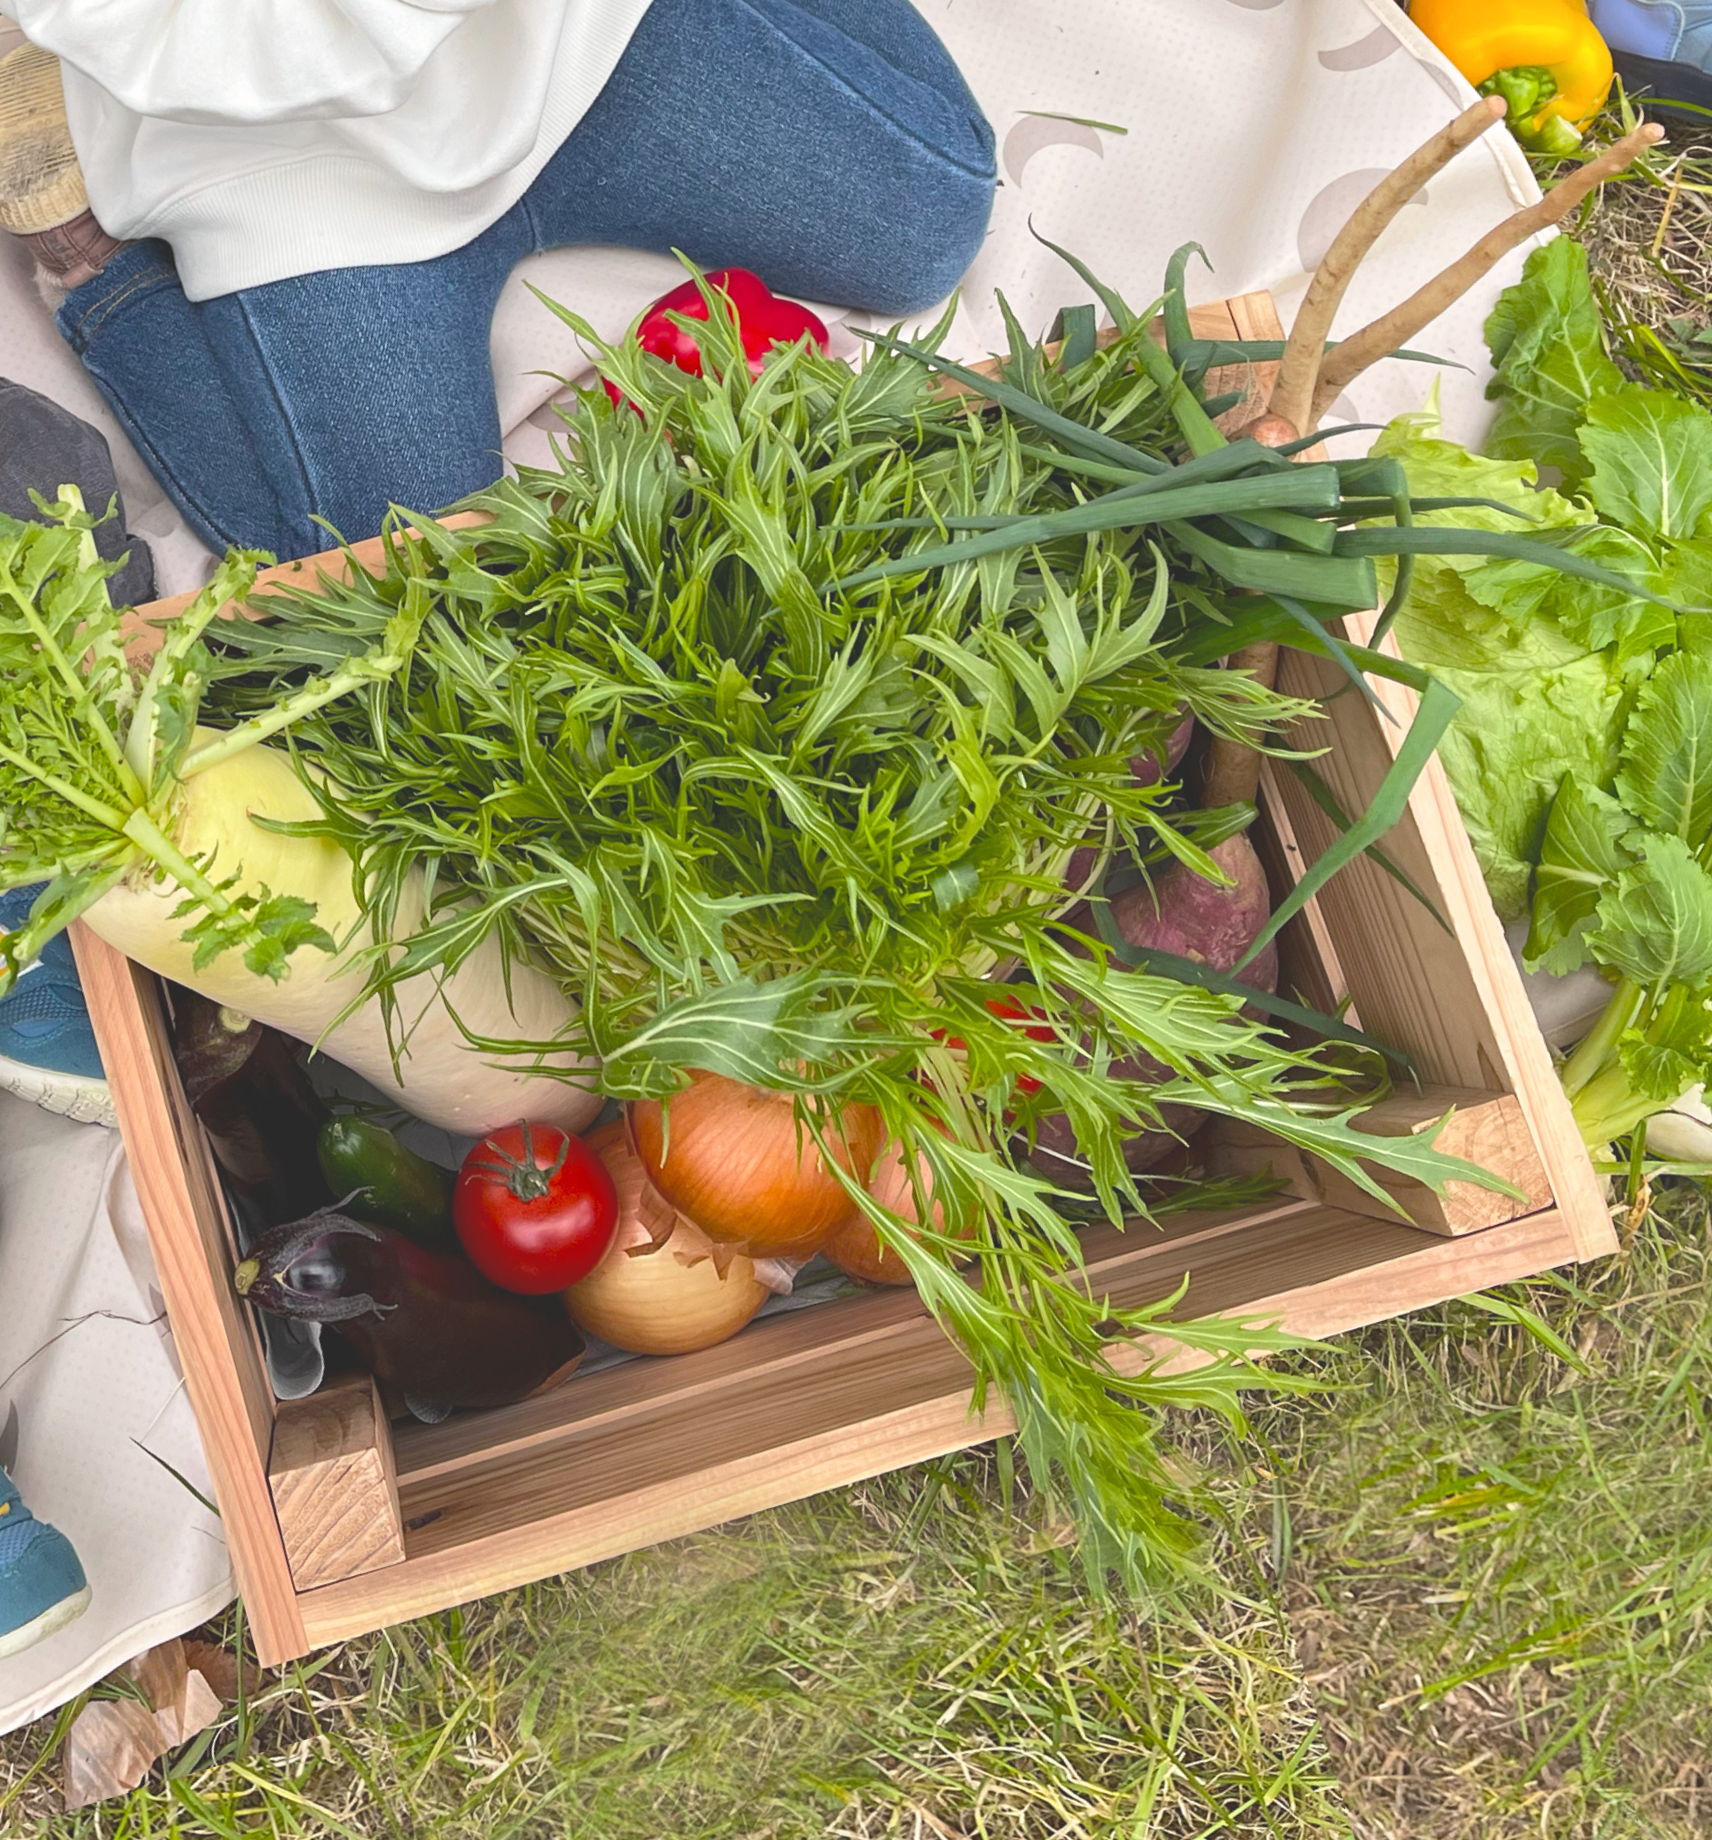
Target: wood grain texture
[141,626]
[1408,973]
[1483,1128]
[1309,969]
[661,1470]
[821,1398]
[1495,979]
[191,1240]
[334,1487]
[1249,316]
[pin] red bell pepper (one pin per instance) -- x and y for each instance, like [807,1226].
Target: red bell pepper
[764,319]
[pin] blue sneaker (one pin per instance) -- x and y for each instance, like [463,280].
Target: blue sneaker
[42,1586]
[47,1046]
[1662,50]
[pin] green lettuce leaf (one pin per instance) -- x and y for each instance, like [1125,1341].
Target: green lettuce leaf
[1651,455]
[1666,774]
[1582,855]
[1685,578]
[1441,469]
[1674,1052]
[1539,700]
[1589,614]
[1655,1069]
[1655,923]
[1548,350]
[1535,707]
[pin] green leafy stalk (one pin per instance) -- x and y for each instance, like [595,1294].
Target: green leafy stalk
[715,720]
[94,750]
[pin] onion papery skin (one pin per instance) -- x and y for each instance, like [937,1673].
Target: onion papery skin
[857,1249]
[664,1288]
[733,1159]
[667,1300]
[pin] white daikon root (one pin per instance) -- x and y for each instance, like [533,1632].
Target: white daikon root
[441,1078]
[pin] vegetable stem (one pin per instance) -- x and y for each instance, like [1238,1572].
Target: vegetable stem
[1382,336]
[108,742]
[1600,1042]
[110,815]
[1304,351]
[155,844]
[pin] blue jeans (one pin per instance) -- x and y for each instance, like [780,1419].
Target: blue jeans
[830,145]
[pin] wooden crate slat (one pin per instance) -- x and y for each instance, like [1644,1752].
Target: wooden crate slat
[1233,1266]
[1408,975]
[1305,1243]
[1501,1000]
[217,1344]
[334,1488]
[1309,970]
[824,1397]
[1486,1129]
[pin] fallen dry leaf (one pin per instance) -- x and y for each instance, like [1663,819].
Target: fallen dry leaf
[219,1668]
[110,1748]
[113,1744]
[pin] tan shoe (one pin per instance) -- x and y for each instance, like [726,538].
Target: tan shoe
[42,198]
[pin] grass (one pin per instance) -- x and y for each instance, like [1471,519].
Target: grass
[1501,1580]
[1649,243]
[1474,1588]
[899,1658]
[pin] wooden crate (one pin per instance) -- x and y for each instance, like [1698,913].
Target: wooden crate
[389,1523]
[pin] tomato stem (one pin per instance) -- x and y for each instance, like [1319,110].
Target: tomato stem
[522,1175]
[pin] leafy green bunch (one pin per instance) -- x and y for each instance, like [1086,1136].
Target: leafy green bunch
[96,742]
[773,718]
[1583,756]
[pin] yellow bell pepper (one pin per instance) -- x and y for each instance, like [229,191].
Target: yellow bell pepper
[1544,57]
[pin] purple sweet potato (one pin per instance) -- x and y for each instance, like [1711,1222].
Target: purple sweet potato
[1058,1156]
[1193,918]
[1148,768]
[1187,915]
[1151,767]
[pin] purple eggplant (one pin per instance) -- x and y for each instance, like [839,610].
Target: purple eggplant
[257,1106]
[432,1330]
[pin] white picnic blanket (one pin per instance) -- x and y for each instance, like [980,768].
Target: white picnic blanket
[1125,128]
[93,1416]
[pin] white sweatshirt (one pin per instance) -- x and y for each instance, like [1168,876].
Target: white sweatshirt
[268,138]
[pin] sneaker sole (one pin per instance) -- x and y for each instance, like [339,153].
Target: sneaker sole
[41,184]
[52,1619]
[1670,89]
[79,1097]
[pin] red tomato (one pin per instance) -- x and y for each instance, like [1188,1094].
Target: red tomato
[1008,1009]
[536,1210]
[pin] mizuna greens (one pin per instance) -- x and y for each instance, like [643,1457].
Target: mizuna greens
[772,720]
[137,818]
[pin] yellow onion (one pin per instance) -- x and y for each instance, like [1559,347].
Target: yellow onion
[733,1159]
[857,1249]
[664,1288]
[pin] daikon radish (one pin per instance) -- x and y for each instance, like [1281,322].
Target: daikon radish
[440,1077]
[144,824]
